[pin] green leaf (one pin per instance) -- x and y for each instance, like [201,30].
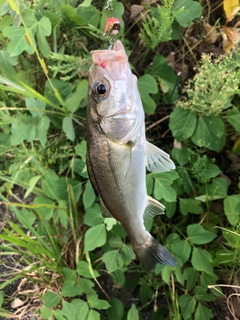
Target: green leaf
[233,117]
[127,254]
[69,310]
[69,12]
[206,279]
[68,128]
[191,276]
[74,100]
[190,206]
[88,195]
[93,315]
[166,77]
[182,249]
[146,85]
[210,133]
[216,190]
[198,235]
[18,42]
[86,3]
[6,65]
[133,313]
[116,310]
[69,274]
[87,286]
[203,312]
[1,299]
[44,30]
[162,188]
[95,237]
[83,270]
[95,302]
[181,155]
[93,216]
[51,299]
[113,260]
[82,309]
[35,106]
[201,294]
[187,305]
[42,129]
[81,149]
[182,123]
[201,260]
[232,208]
[69,289]
[185,11]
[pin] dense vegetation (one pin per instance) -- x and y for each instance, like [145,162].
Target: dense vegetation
[70,262]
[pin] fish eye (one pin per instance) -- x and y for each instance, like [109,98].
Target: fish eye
[101,90]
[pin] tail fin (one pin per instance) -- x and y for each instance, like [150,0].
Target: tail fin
[151,253]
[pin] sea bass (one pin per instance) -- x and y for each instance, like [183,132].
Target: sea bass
[118,152]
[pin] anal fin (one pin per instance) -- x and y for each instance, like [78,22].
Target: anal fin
[153,208]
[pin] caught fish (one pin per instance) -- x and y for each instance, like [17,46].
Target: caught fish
[118,152]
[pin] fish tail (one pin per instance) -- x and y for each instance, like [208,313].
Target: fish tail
[151,253]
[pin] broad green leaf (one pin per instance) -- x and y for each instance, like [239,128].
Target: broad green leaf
[18,42]
[201,260]
[115,241]
[69,274]
[207,279]
[81,149]
[210,133]
[187,305]
[185,11]
[198,235]
[181,155]
[69,289]
[182,123]
[185,180]
[24,129]
[35,106]
[85,3]
[69,310]
[91,13]
[233,117]
[82,309]
[202,312]
[232,208]
[146,85]
[201,294]
[51,299]
[44,30]
[179,275]
[95,302]
[110,223]
[166,77]
[68,128]
[6,65]
[93,216]
[190,206]
[113,260]
[146,293]
[42,129]
[182,249]
[30,216]
[69,12]
[83,270]
[133,313]
[191,276]
[87,286]
[57,189]
[93,315]
[32,183]
[88,195]
[127,254]
[95,237]
[216,190]
[74,100]
[116,310]
[162,188]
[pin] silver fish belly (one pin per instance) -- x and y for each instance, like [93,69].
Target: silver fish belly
[118,153]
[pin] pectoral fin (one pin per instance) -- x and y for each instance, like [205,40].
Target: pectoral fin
[153,208]
[157,160]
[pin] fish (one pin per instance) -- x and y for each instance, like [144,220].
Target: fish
[118,152]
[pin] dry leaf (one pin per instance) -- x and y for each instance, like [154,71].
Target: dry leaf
[135,10]
[16,303]
[229,7]
[210,33]
[179,68]
[177,144]
[230,36]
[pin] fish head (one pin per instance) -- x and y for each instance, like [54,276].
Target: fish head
[111,82]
